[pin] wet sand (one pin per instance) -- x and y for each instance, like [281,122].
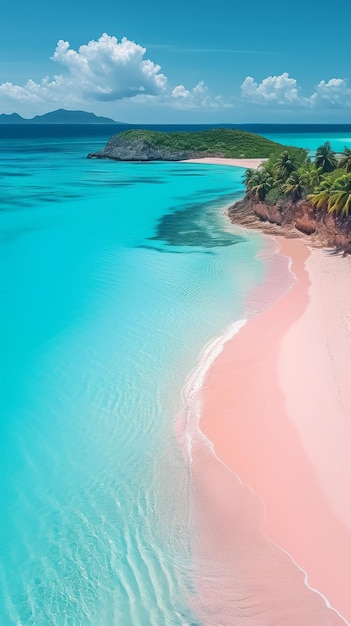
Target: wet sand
[273,515]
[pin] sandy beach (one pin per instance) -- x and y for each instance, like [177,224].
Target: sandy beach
[253,164]
[273,509]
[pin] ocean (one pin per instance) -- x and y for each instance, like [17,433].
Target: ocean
[115,276]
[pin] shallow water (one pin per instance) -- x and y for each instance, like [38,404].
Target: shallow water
[114,277]
[311,140]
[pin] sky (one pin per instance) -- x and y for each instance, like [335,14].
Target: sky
[229,61]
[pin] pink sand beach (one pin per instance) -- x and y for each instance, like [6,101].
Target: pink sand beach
[272,499]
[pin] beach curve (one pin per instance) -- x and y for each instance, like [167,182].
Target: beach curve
[265,526]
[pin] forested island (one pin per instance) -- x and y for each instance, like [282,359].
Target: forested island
[292,194]
[149,145]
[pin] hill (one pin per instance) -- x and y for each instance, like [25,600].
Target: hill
[60,116]
[148,145]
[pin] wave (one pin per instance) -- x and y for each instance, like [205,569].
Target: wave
[188,425]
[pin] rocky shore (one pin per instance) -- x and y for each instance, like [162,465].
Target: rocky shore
[123,147]
[138,150]
[298,219]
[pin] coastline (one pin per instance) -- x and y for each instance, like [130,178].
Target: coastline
[263,489]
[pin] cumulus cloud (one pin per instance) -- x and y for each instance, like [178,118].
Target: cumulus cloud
[198,97]
[103,70]
[106,70]
[272,90]
[283,90]
[334,93]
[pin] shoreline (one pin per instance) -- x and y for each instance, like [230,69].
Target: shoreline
[289,220]
[258,480]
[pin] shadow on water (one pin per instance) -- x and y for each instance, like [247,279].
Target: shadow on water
[14,174]
[167,250]
[196,225]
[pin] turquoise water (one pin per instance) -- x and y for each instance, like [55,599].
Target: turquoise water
[311,140]
[114,276]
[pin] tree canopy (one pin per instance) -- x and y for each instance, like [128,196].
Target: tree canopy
[325,180]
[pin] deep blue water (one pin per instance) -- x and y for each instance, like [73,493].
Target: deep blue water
[15,131]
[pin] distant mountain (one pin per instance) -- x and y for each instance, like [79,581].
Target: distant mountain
[14,118]
[60,116]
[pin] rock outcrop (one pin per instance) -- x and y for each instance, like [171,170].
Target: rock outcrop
[294,220]
[126,148]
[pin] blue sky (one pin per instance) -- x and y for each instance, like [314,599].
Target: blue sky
[235,62]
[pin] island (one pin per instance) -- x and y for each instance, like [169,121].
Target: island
[60,116]
[150,145]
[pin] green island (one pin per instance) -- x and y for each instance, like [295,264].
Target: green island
[293,191]
[148,145]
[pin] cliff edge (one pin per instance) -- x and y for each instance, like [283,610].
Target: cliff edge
[298,219]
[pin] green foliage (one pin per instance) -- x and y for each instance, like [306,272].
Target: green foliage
[258,183]
[273,195]
[326,158]
[226,142]
[334,195]
[345,160]
[285,165]
[298,156]
[295,185]
[326,181]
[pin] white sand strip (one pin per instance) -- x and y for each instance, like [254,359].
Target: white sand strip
[253,164]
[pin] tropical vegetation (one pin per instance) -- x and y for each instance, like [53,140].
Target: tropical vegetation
[325,180]
[224,142]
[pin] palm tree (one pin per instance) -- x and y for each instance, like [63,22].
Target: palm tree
[320,198]
[295,186]
[285,165]
[326,158]
[333,195]
[312,175]
[258,184]
[345,161]
[321,194]
[269,167]
[340,195]
[247,177]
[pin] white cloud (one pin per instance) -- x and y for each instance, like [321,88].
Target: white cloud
[104,70]
[181,92]
[108,70]
[335,93]
[272,90]
[198,97]
[284,91]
